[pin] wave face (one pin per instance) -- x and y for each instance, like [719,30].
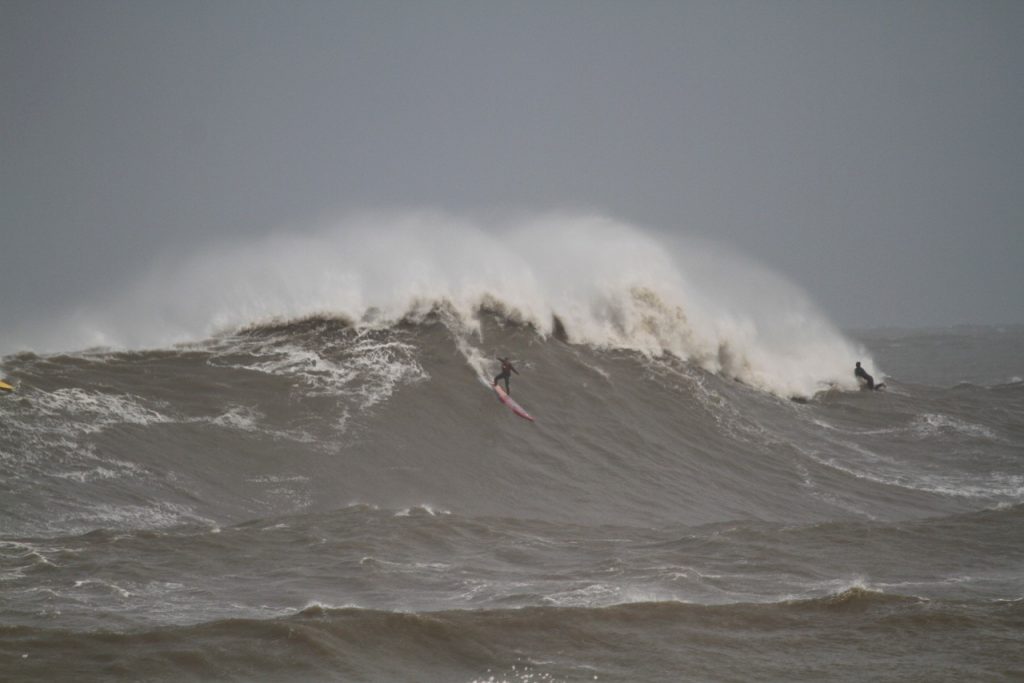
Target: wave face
[325,499]
[588,279]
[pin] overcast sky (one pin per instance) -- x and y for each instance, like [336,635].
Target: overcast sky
[872,152]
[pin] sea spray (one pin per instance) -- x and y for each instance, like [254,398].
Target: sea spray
[594,280]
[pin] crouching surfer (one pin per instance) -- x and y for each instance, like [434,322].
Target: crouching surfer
[506,373]
[866,380]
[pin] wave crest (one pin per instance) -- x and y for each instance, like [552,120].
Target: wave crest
[584,279]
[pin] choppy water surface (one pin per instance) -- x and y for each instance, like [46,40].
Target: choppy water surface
[320,501]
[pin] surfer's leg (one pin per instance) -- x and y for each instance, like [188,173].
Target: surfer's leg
[502,376]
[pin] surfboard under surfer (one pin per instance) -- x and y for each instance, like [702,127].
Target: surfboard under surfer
[506,374]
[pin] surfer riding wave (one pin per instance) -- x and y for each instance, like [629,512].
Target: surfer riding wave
[506,374]
[865,379]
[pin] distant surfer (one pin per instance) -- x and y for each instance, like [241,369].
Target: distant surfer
[864,378]
[506,374]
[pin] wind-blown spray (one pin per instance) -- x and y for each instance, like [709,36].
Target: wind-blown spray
[603,282]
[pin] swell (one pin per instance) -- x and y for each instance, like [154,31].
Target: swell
[426,560]
[938,641]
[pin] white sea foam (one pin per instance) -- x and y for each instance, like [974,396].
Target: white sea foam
[243,418]
[366,369]
[278,479]
[875,467]
[155,516]
[427,510]
[931,424]
[611,285]
[590,595]
[82,476]
[97,410]
[104,585]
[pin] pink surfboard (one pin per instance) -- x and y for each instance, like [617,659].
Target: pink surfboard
[510,402]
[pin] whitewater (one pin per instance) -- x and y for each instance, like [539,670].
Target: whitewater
[282,461]
[594,280]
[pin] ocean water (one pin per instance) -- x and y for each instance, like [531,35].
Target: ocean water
[251,489]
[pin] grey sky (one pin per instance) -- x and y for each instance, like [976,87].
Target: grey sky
[872,152]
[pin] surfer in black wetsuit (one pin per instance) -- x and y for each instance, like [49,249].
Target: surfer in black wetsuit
[862,375]
[506,374]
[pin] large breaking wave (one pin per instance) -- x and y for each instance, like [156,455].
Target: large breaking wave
[587,279]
